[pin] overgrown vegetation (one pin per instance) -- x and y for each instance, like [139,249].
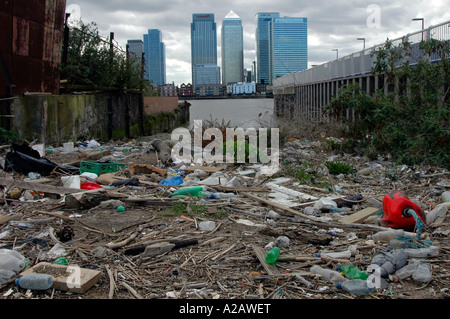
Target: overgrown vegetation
[93,63]
[337,168]
[7,136]
[412,121]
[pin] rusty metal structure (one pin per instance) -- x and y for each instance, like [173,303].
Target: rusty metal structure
[30,46]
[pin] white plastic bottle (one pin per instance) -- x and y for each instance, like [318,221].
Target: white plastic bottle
[422,273]
[35,281]
[327,274]
[6,275]
[11,260]
[405,271]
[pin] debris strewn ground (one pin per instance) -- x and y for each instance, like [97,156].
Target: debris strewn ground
[132,239]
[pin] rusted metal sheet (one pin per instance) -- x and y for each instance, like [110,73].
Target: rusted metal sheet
[30,45]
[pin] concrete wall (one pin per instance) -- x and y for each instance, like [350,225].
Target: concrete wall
[56,119]
[154,104]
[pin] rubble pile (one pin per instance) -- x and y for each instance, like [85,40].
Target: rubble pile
[122,221]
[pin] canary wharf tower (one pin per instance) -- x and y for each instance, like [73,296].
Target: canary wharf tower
[204,49]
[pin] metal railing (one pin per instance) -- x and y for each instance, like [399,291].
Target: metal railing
[358,63]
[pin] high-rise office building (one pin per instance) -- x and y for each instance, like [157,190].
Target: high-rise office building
[288,45]
[135,49]
[155,57]
[232,49]
[204,49]
[263,54]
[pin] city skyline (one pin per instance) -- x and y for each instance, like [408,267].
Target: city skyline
[331,25]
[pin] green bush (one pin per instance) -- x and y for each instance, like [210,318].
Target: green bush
[7,136]
[412,121]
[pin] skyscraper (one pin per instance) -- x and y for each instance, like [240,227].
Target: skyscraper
[135,49]
[289,46]
[263,54]
[155,57]
[232,49]
[204,49]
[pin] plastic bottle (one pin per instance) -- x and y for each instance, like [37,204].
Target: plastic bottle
[387,235]
[445,196]
[272,255]
[422,252]
[11,260]
[405,271]
[327,274]
[352,272]
[422,273]
[337,210]
[339,254]
[356,286]
[221,195]
[6,275]
[196,191]
[35,281]
[435,213]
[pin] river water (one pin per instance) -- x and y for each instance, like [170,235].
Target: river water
[245,113]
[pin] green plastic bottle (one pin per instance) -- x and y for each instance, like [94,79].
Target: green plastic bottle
[352,272]
[196,191]
[272,255]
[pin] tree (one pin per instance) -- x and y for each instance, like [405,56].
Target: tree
[92,62]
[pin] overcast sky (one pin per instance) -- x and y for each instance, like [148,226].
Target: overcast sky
[331,24]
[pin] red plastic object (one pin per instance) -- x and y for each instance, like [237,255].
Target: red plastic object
[89,186]
[395,211]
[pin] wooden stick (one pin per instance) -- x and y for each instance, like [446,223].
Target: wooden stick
[131,290]
[112,283]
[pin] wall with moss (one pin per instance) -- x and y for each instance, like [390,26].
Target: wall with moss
[56,119]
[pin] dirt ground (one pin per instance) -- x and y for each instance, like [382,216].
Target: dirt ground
[222,263]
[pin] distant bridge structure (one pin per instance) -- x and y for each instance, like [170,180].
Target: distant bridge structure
[303,95]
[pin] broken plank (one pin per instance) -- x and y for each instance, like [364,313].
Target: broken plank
[37,186]
[279,206]
[67,278]
[360,216]
[261,255]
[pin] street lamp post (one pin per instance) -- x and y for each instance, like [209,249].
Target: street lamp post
[364,42]
[337,53]
[423,23]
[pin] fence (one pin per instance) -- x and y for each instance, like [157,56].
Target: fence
[305,94]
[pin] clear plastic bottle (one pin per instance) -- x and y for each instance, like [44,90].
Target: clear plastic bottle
[357,287]
[221,195]
[387,235]
[422,273]
[11,260]
[6,275]
[422,252]
[405,271]
[35,281]
[327,274]
[331,254]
